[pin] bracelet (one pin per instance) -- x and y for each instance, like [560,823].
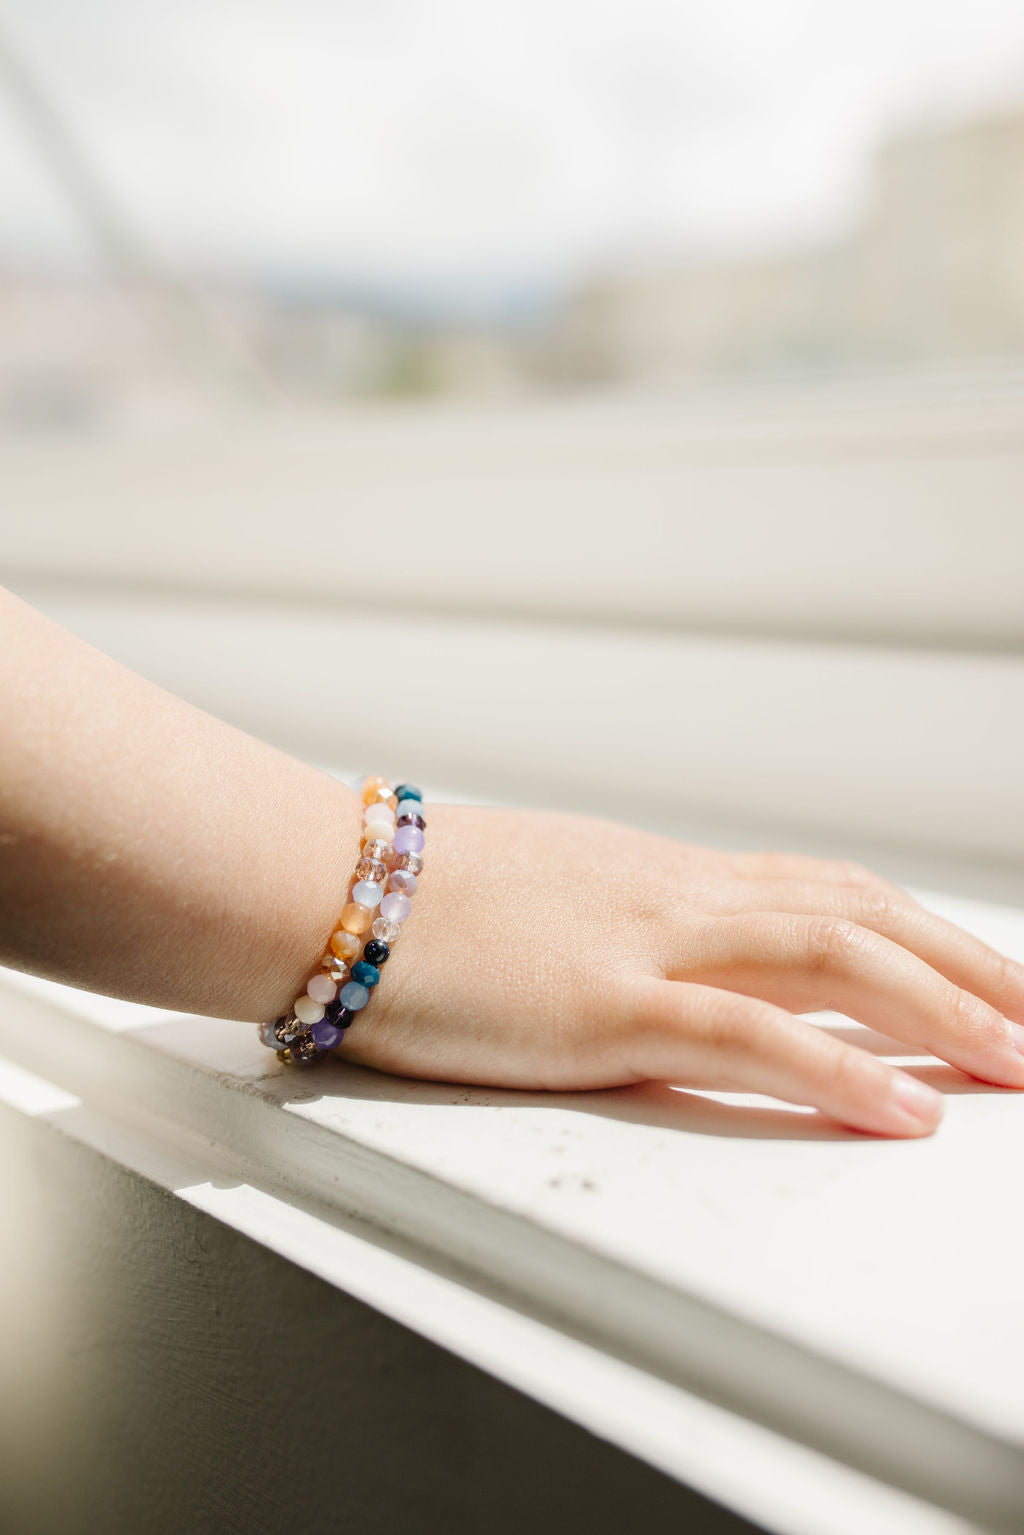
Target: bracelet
[384,882]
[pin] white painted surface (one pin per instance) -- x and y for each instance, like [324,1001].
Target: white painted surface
[645,1227]
[889,508]
[842,749]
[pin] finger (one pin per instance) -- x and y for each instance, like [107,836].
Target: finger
[958,955]
[806,963]
[794,866]
[700,1036]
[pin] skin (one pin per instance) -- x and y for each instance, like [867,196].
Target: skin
[155,853]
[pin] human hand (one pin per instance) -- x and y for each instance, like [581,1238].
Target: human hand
[570,952]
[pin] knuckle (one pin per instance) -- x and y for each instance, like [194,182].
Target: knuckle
[743,1026]
[876,908]
[833,941]
[973,1021]
[1007,973]
[855,873]
[845,1068]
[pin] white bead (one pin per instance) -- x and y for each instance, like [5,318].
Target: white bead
[308,1011]
[379,812]
[367,893]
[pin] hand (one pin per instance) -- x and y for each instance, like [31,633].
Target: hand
[570,952]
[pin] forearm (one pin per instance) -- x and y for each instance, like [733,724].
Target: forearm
[148,850]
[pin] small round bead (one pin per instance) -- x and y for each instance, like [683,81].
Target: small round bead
[376,950]
[326,1035]
[345,945]
[409,839]
[371,785]
[409,807]
[268,1036]
[411,861]
[308,1010]
[375,852]
[337,1013]
[366,893]
[404,881]
[380,831]
[355,918]
[396,906]
[304,1051]
[287,1027]
[411,819]
[407,791]
[353,996]
[322,989]
[386,930]
[378,813]
[373,869]
[384,796]
[336,968]
[365,974]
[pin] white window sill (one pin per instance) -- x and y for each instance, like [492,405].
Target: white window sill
[794,1320]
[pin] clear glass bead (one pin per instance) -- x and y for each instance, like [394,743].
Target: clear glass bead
[372,869]
[385,930]
[376,851]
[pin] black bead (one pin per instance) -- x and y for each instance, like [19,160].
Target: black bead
[339,1015]
[376,951]
[407,791]
[411,819]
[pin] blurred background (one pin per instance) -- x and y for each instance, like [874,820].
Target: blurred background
[611,407]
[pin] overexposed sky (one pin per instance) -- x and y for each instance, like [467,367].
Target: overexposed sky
[446,143]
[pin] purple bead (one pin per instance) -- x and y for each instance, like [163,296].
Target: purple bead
[395,906]
[338,1014]
[408,839]
[326,1035]
[411,820]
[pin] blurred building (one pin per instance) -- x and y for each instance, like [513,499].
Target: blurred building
[935,270]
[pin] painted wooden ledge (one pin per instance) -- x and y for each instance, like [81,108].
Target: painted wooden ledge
[816,1328]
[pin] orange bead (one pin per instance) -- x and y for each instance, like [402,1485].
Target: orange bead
[371,786]
[356,918]
[345,945]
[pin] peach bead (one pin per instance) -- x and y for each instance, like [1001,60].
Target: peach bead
[356,918]
[379,831]
[371,785]
[386,798]
[345,945]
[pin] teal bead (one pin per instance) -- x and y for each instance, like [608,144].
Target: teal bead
[366,975]
[408,791]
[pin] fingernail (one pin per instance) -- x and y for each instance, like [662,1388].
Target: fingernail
[1016,1035]
[916,1098]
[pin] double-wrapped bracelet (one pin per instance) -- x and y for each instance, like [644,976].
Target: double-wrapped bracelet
[380,899]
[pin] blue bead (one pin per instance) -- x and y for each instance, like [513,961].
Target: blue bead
[353,996]
[366,975]
[407,791]
[409,807]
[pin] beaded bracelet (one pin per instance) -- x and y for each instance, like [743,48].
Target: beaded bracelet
[384,882]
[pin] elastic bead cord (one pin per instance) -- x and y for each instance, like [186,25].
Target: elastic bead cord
[380,899]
